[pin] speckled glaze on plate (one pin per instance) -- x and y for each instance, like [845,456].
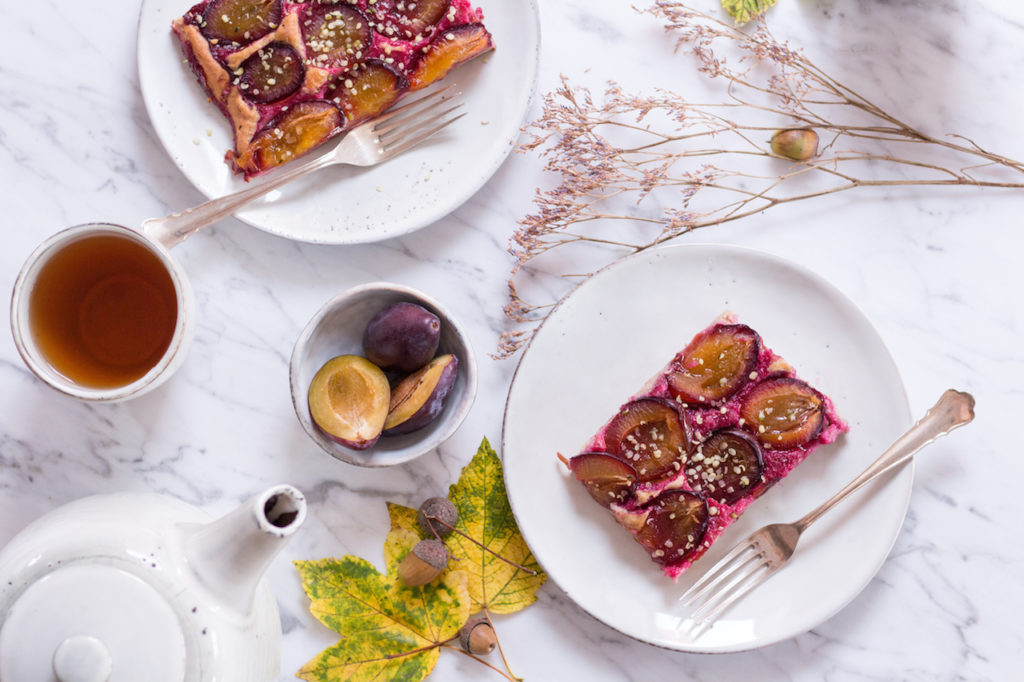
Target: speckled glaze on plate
[604,341]
[344,205]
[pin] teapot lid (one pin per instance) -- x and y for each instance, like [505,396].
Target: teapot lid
[92,622]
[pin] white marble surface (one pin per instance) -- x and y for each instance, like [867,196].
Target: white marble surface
[938,271]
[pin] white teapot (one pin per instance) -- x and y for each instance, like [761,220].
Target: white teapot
[134,587]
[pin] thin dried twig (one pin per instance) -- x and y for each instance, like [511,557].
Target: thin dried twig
[676,161]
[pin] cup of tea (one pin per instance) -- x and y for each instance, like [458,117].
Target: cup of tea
[102,312]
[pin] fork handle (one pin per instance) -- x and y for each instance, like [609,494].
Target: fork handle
[177,227]
[954,409]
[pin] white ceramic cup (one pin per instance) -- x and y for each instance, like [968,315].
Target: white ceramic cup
[33,356]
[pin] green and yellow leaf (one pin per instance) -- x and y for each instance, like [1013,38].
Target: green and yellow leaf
[745,10]
[485,515]
[389,631]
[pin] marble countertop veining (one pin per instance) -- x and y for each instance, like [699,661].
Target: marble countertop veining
[939,272]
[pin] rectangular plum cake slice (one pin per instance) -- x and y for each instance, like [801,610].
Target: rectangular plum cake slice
[291,75]
[721,423]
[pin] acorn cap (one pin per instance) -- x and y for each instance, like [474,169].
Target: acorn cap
[442,509]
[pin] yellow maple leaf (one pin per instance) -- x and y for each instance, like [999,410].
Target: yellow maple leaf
[389,631]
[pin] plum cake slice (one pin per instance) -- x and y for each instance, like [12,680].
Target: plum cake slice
[291,75]
[720,424]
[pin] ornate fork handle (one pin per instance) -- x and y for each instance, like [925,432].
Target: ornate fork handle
[177,227]
[953,409]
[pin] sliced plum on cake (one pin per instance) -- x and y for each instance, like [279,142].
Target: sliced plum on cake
[368,90]
[271,73]
[672,526]
[447,50]
[291,134]
[716,364]
[783,412]
[335,35]
[240,21]
[407,19]
[726,466]
[651,435]
[607,478]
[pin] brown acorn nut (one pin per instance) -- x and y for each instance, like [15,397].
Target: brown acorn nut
[426,561]
[798,144]
[437,515]
[477,636]
[419,398]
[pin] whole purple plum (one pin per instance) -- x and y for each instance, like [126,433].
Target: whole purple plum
[403,336]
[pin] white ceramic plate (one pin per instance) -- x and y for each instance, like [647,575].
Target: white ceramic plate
[343,205]
[619,328]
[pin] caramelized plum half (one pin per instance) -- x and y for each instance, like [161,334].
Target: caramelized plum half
[271,73]
[725,466]
[651,435]
[293,133]
[715,364]
[367,90]
[675,526]
[784,412]
[607,478]
[446,51]
[407,19]
[334,34]
[240,21]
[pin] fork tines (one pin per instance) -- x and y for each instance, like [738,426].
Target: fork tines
[742,569]
[409,124]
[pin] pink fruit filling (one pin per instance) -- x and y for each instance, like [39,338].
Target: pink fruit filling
[749,421]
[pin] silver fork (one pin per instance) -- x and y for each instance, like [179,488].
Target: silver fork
[368,144]
[765,551]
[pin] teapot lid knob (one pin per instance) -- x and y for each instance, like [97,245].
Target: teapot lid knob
[82,659]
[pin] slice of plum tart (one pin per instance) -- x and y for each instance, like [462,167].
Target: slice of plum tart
[720,424]
[291,75]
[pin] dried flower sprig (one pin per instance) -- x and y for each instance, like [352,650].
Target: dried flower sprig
[636,171]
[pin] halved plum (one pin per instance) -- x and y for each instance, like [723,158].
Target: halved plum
[271,73]
[651,435]
[291,134]
[725,466]
[348,401]
[715,365]
[335,34]
[674,526]
[607,478]
[240,21]
[783,412]
[367,90]
[407,19]
[447,50]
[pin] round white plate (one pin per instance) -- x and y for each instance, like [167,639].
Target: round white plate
[344,205]
[621,327]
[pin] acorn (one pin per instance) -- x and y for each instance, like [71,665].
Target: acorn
[426,561]
[477,636]
[798,144]
[438,516]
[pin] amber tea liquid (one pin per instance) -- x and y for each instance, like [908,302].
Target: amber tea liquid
[103,311]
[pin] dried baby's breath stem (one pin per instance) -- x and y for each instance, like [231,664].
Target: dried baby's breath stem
[636,171]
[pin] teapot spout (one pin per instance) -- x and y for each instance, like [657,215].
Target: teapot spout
[230,555]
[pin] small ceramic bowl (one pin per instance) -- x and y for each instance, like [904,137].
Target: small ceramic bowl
[337,329]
